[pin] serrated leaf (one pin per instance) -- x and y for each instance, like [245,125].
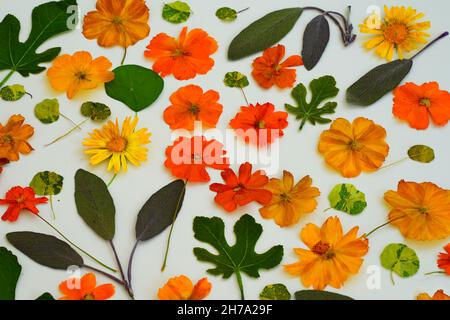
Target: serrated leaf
[47,183]
[13,92]
[10,270]
[401,259]
[345,197]
[319,295]
[226,14]
[235,79]
[47,111]
[321,89]
[95,110]
[421,153]
[95,204]
[315,40]
[45,296]
[275,291]
[176,12]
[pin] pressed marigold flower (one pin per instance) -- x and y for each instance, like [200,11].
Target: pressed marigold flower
[119,146]
[18,199]
[182,288]
[72,73]
[420,210]
[438,295]
[13,139]
[289,201]
[416,104]
[117,22]
[190,104]
[354,147]
[332,256]
[259,124]
[241,190]
[188,158]
[398,31]
[184,57]
[268,70]
[444,260]
[85,289]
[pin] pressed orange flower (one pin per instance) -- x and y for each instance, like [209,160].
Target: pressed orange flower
[85,289]
[182,288]
[332,256]
[416,104]
[438,295]
[268,70]
[399,31]
[120,146]
[184,57]
[241,190]
[354,147]
[79,72]
[444,260]
[13,139]
[420,210]
[117,22]
[18,199]
[289,201]
[188,158]
[259,124]
[190,104]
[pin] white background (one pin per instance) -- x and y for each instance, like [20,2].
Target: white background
[297,154]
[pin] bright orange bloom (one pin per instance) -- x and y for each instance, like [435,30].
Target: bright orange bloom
[79,72]
[241,190]
[184,57]
[354,147]
[420,210]
[190,104]
[117,22]
[13,139]
[182,288]
[85,289]
[18,199]
[268,70]
[416,104]
[188,158]
[332,256]
[438,295]
[444,260]
[289,201]
[259,124]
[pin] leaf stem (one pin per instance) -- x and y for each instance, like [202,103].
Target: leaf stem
[67,133]
[245,97]
[443,35]
[124,56]
[242,10]
[381,226]
[122,274]
[112,180]
[105,274]
[434,272]
[241,286]
[391,275]
[394,163]
[67,118]
[5,79]
[51,207]
[130,264]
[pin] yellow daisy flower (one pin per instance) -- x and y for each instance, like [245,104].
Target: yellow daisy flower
[399,31]
[110,142]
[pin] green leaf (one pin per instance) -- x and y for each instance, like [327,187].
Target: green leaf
[315,41]
[321,89]
[235,79]
[275,291]
[421,153]
[95,204]
[345,197]
[45,296]
[47,111]
[48,19]
[45,249]
[10,270]
[226,14]
[13,92]
[47,183]
[176,12]
[95,110]
[135,86]
[400,259]
[319,295]
[263,33]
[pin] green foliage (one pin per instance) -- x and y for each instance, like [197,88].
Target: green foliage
[95,110]
[401,259]
[421,153]
[345,197]
[275,291]
[47,183]
[47,111]
[226,14]
[176,12]
[10,270]
[235,79]
[319,295]
[12,92]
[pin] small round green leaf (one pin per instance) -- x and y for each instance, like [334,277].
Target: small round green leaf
[226,14]
[13,92]
[400,259]
[47,111]
[275,291]
[235,79]
[176,12]
[421,153]
[95,110]
[346,198]
[47,183]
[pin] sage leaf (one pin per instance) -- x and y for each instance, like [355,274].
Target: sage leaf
[95,204]
[275,291]
[45,250]
[315,40]
[45,296]
[47,111]
[421,153]
[95,110]
[10,270]
[345,197]
[47,183]
[176,12]
[401,259]
[226,14]
[13,92]
[319,295]
[263,33]
[235,79]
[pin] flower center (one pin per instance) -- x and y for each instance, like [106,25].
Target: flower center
[80,75]
[194,109]
[323,249]
[117,20]
[285,197]
[89,296]
[423,210]
[238,188]
[261,124]
[117,144]
[396,33]
[425,102]
[355,145]
[6,139]
[178,53]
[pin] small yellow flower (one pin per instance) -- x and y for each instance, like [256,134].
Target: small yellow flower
[398,31]
[118,146]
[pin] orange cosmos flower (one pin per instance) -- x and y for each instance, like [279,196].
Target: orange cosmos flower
[18,199]
[117,22]
[190,104]
[259,124]
[438,295]
[241,190]
[182,288]
[268,70]
[85,289]
[420,210]
[188,158]
[79,72]
[289,201]
[354,147]
[332,256]
[416,104]
[444,260]
[13,139]
[184,57]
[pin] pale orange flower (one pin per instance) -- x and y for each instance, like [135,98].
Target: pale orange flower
[438,295]
[13,138]
[182,288]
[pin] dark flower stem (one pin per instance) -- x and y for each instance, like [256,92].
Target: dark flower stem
[245,97]
[381,226]
[122,274]
[130,264]
[105,274]
[443,35]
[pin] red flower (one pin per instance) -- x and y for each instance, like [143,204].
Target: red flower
[239,191]
[444,260]
[259,124]
[18,199]
[188,158]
